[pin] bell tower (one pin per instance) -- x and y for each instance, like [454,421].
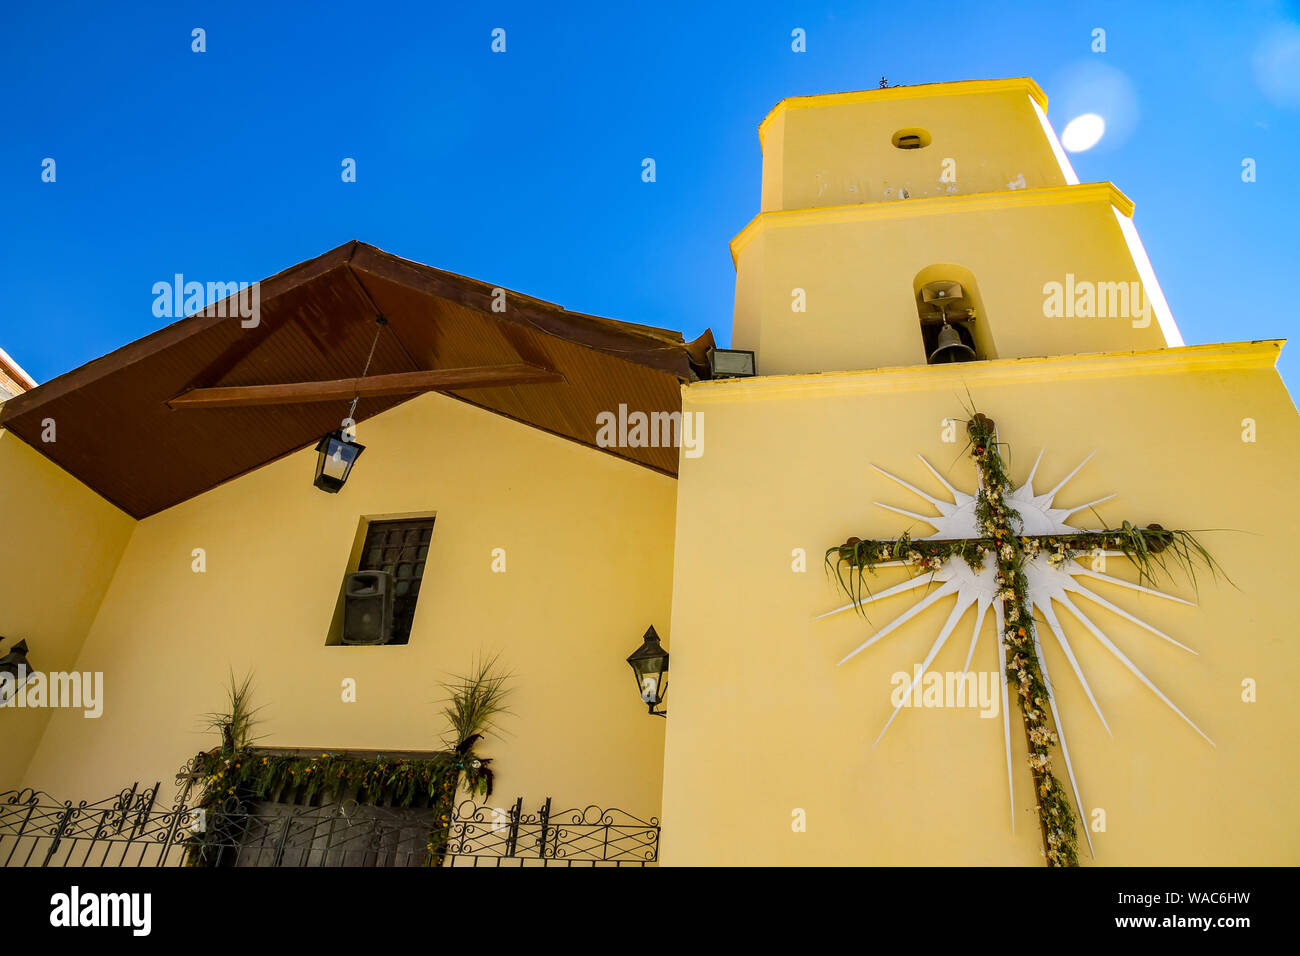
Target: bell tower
[929,224]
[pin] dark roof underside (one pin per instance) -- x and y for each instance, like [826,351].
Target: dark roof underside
[116,433]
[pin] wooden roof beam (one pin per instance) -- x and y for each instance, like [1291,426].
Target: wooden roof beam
[397,383]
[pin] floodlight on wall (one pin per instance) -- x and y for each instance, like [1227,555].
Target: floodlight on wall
[731,363]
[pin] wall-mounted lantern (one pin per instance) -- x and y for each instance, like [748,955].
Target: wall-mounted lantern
[650,665]
[335,456]
[13,665]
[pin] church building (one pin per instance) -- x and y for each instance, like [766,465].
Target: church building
[961,554]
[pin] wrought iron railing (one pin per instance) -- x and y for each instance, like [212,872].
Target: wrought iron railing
[128,830]
[123,830]
[587,836]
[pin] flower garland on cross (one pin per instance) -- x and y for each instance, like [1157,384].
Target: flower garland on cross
[1149,548]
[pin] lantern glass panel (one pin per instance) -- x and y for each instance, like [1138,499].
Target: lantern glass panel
[650,686]
[335,456]
[338,459]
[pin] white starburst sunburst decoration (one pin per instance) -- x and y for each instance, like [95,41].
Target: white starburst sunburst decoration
[1050,582]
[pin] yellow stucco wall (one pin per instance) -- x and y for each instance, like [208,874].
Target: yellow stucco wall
[825,273]
[838,148]
[856,266]
[764,722]
[588,541]
[59,545]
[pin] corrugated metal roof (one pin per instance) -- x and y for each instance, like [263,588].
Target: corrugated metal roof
[116,433]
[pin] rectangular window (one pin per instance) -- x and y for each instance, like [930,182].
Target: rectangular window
[400,548]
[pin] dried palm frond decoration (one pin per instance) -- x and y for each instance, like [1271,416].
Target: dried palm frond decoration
[235,724]
[476,701]
[235,773]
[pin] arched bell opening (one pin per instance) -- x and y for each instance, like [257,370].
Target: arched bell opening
[950,312]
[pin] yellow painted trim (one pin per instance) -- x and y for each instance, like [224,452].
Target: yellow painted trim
[936,205]
[1022,84]
[1258,354]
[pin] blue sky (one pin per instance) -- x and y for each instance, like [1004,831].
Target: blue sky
[523,169]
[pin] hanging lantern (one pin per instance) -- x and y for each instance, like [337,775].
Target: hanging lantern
[335,456]
[337,452]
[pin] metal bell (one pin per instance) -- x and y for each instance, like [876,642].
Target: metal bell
[951,348]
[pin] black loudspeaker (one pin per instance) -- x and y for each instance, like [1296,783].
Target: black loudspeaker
[368,608]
